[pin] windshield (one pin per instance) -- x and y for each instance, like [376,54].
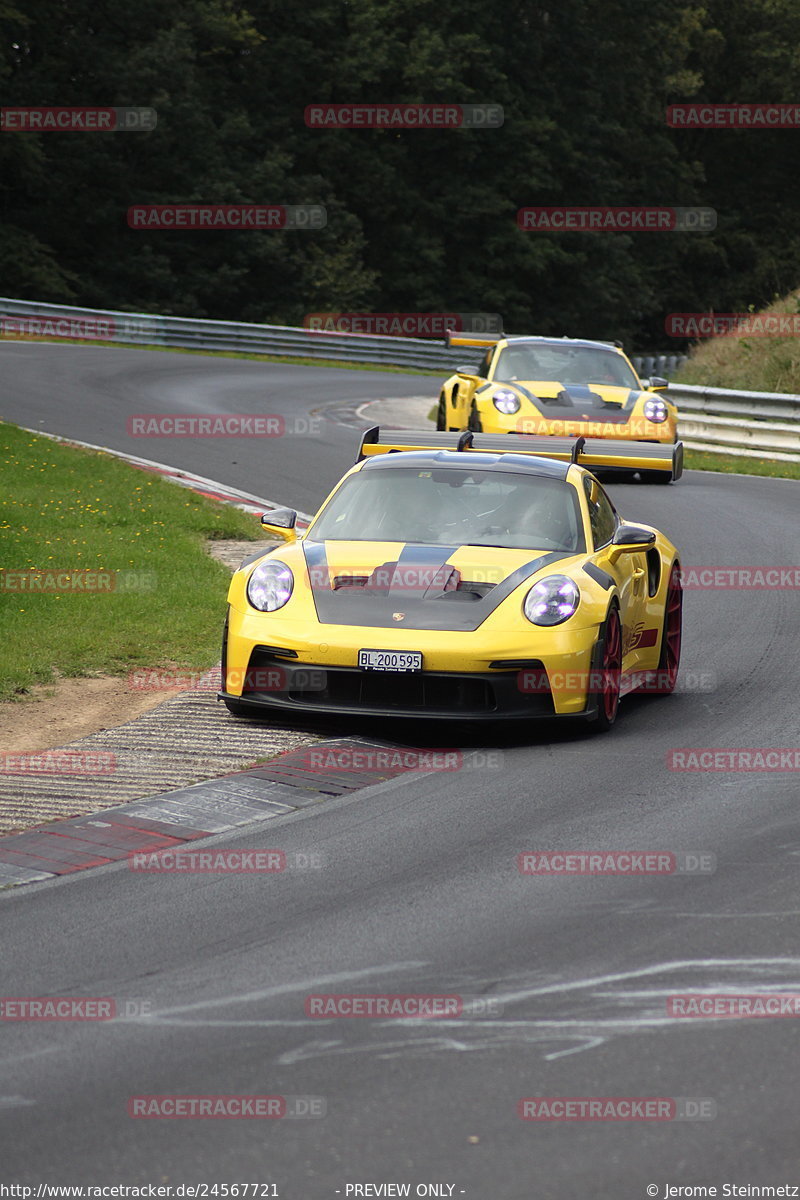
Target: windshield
[444,506]
[567,364]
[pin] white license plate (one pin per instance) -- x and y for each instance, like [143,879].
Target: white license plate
[390,660]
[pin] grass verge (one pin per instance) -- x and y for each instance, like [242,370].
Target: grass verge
[749,363]
[67,509]
[703,460]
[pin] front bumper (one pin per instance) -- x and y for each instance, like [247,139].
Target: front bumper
[435,695]
[529,681]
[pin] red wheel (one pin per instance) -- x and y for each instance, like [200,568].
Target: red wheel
[607,695]
[670,658]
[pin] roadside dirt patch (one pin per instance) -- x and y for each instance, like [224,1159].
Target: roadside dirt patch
[55,714]
[231,553]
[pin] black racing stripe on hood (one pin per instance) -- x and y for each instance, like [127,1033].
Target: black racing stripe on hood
[581,391]
[571,405]
[425,564]
[585,392]
[374,609]
[632,397]
[526,392]
[316,561]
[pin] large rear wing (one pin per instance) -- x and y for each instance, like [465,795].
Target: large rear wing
[468,339]
[489,339]
[594,453]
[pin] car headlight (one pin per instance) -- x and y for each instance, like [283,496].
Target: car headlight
[656,411]
[551,600]
[506,401]
[270,586]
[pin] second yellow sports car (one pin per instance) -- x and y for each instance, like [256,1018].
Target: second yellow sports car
[556,387]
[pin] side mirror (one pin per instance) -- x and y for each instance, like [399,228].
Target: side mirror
[656,384]
[281,522]
[629,539]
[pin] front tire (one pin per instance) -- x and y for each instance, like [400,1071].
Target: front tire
[474,423]
[607,695]
[441,414]
[671,636]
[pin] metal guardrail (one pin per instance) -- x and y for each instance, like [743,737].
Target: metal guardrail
[143,328]
[725,402]
[744,424]
[56,320]
[744,439]
[747,424]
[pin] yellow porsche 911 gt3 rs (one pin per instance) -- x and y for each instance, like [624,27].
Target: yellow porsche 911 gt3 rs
[558,387]
[458,577]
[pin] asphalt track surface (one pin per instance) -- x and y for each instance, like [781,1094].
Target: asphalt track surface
[418,892]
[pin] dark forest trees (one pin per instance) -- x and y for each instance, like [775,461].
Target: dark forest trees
[417,220]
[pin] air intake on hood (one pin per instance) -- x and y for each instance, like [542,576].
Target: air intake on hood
[421,579]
